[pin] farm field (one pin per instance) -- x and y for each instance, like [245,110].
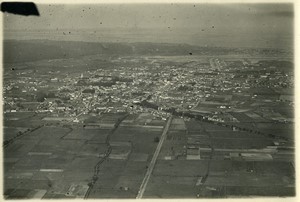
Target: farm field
[43,163]
[206,160]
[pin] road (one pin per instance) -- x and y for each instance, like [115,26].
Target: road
[153,161]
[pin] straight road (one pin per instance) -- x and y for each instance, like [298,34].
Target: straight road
[153,161]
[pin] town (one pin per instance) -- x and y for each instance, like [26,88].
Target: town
[196,125]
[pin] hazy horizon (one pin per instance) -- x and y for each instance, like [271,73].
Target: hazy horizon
[219,25]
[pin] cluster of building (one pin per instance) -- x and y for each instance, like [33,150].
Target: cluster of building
[212,88]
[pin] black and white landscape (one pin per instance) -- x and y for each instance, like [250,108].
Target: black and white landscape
[149,101]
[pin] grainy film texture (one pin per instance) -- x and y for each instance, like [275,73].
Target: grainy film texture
[149,101]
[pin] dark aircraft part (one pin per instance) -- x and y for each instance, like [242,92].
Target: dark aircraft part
[20,8]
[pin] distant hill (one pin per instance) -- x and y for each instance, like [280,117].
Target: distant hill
[33,50]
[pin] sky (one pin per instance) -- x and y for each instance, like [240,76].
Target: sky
[236,25]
